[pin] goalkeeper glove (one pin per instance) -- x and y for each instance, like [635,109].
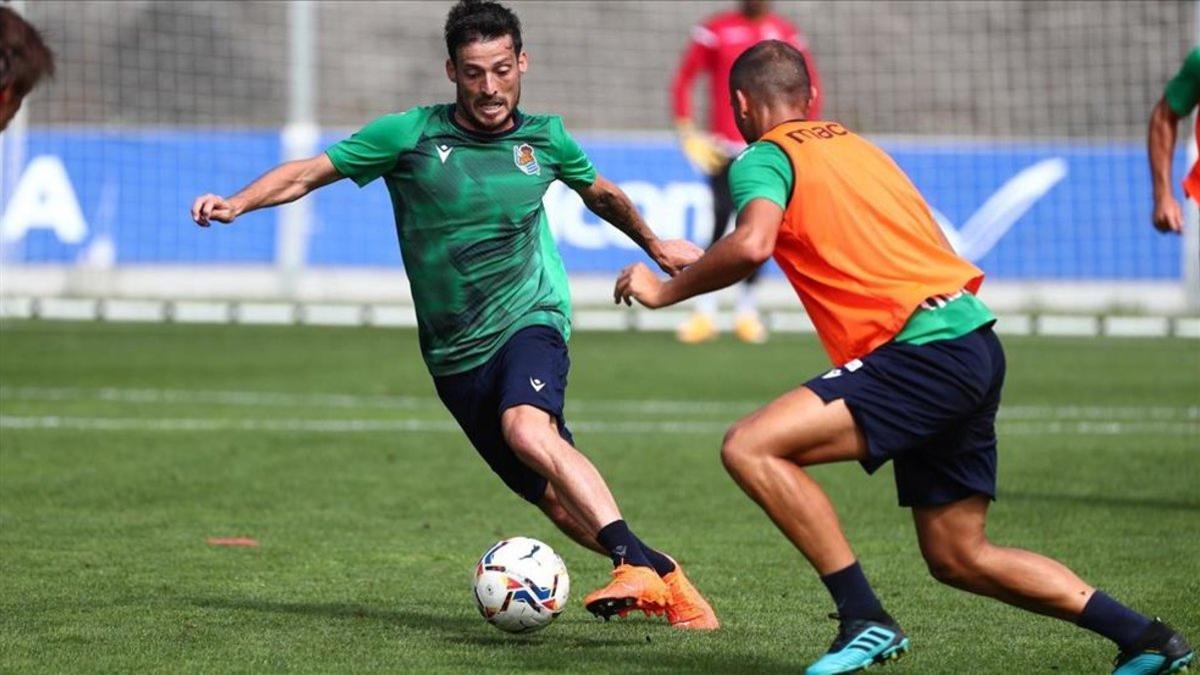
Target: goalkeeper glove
[701,150]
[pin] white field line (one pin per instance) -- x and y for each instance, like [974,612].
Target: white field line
[689,427]
[646,406]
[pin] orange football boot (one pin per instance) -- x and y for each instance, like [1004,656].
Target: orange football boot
[632,587]
[688,610]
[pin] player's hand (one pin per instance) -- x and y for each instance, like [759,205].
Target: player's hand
[211,207]
[1168,216]
[701,150]
[675,254]
[637,282]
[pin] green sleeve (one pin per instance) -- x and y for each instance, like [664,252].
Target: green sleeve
[761,171]
[1183,91]
[574,167]
[374,149]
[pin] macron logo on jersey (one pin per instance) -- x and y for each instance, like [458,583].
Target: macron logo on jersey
[444,152]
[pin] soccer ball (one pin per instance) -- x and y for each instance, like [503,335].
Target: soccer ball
[521,585]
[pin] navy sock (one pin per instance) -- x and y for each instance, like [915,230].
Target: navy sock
[1113,620]
[621,545]
[661,563]
[852,594]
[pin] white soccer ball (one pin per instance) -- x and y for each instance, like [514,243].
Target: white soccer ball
[521,585]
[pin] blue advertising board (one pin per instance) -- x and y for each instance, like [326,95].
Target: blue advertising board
[1022,211]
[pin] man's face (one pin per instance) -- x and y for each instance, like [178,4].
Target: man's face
[487,76]
[10,103]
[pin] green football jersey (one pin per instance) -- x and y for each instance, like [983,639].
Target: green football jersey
[473,233]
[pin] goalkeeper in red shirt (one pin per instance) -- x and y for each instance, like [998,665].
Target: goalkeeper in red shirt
[714,45]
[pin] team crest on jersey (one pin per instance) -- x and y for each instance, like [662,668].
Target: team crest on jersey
[525,159]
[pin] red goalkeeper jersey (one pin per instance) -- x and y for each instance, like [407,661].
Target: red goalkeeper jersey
[714,46]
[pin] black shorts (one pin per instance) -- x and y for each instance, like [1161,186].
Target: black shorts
[530,369]
[931,409]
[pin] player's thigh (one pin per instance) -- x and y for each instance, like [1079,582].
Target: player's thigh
[531,385]
[801,427]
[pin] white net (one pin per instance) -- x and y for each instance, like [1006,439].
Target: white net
[1022,122]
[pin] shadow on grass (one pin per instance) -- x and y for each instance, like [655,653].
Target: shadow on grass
[664,649]
[1111,501]
[451,627]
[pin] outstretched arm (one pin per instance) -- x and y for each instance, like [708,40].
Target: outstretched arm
[285,183]
[727,262]
[1167,216]
[606,200]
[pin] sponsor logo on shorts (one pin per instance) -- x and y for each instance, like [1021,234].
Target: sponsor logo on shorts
[537,384]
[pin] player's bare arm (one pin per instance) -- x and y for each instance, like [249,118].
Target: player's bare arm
[728,261]
[285,183]
[607,200]
[1167,216]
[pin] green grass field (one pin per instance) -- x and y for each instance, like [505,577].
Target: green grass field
[123,447]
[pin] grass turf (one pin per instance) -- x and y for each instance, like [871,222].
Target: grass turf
[123,447]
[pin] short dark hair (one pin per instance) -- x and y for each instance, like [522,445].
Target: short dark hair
[772,70]
[480,20]
[24,57]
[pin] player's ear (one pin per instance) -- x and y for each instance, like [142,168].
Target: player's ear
[522,61]
[812,94]
[450,71]
[741,104]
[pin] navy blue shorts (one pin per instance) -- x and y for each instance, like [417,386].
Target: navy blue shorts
[931,409]
[530,369]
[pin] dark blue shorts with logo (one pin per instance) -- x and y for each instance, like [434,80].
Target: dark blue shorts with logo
[931,409]
[530,369]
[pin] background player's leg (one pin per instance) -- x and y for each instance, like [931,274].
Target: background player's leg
[764,452]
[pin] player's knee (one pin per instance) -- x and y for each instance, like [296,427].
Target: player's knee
[525,434]
[736,449]
[532,438]
[953,566]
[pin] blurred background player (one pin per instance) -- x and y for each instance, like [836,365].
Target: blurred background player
[918,379]
[1178,101]
[24,61]
[489,289]
[715,44]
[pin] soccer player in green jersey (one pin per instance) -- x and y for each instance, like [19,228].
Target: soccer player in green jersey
[1178,100]
[490,292]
